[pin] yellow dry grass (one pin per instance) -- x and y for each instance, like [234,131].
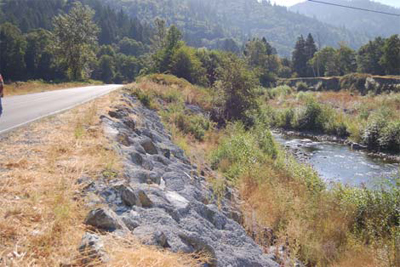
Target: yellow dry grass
[30,87]
[183,91]
[41,206]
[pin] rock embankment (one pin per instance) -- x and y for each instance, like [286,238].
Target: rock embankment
[163,200]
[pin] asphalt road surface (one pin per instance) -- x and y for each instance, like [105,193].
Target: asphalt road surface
[21,110]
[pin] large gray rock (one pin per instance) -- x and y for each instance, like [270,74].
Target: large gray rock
[148,145]
[104,219]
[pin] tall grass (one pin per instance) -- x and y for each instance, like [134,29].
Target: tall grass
[321,227]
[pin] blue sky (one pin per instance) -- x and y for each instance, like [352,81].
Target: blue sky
[395,3]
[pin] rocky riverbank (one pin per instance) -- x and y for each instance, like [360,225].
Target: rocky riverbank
[163,199]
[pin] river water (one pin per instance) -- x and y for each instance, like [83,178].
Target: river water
[339,163]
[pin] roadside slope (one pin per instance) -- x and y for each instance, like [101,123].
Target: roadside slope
[42,211]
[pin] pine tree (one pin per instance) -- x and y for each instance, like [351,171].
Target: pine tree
[310,50]
[300,58]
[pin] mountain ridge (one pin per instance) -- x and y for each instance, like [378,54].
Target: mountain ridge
[206,23]
[366,23]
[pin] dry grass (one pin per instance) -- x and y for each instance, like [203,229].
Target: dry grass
[41,208]
[30,87]
[128,251]
[182,91]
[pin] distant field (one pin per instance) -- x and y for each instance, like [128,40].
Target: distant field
[23,88]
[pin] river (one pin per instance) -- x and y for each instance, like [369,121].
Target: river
[339,163]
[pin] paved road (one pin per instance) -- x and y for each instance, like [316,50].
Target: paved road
[20,110]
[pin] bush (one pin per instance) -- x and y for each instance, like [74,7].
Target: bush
[390,137]
[301,87]
[165,79]
[311,118]
[145,98]
[285,119]
[279,91]
[196,125]
[372,132]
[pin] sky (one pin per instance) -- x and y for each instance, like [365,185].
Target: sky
[395,3]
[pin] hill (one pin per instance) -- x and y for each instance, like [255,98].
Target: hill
[210,23]
[366,23]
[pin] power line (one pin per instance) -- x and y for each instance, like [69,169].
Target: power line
[356,8]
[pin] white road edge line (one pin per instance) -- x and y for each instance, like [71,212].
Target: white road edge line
[58,111]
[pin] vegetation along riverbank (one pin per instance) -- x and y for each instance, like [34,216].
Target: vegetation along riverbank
[338,227]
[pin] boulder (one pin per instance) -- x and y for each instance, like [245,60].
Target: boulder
[104,219]
[148,145]
[92,249]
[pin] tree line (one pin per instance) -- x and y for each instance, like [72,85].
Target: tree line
[100,43]
[66,40]
[380,56]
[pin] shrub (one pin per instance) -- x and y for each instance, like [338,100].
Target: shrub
[371,133]
[311,118]
[166,79]
[196,125]
[279,91]
[193,124]
[334,122]
[285,119]
[301,87]
[145,98]
[390,137]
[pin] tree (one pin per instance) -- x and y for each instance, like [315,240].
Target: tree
[128,67]
[172,42]
[236,90]
[346,58]
[211,61]
[185,64]
[260,56]
[39,57]
[325,62]
[369,57]
[310,49]
[12,52]
[75,39]
[159,38]
[391,55]
[130,47]
[299,57]
[106,69]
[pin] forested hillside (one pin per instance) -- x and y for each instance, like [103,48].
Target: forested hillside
[29,42]
[370,24]
[209,22]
